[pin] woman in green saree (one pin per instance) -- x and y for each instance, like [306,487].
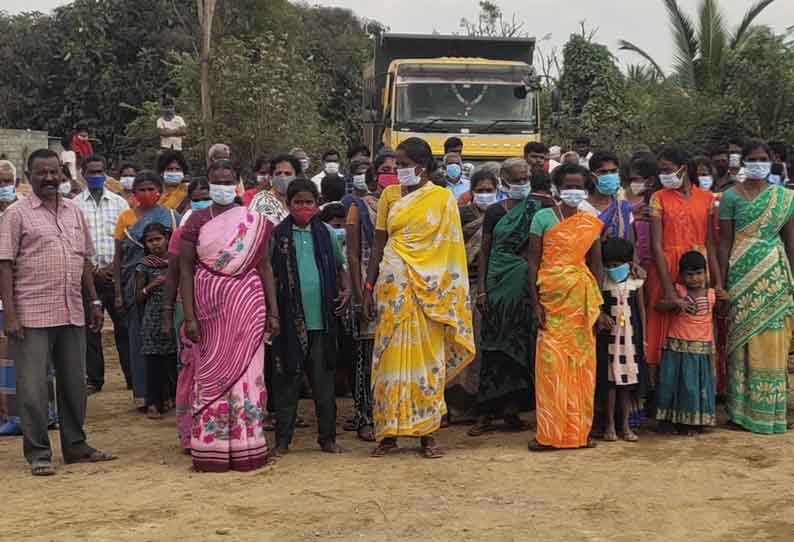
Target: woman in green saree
[507,339]
[756,254]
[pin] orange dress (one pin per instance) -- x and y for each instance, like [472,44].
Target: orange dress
[685,224]
[565,364]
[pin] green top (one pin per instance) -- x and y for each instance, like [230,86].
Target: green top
[543,221]
[730,204]
[309,274]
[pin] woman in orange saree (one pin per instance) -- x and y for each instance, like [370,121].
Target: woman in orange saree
[564,261]
[681,221]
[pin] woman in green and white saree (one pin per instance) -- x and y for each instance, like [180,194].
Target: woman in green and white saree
[756,255]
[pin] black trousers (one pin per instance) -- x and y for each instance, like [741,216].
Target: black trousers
[160,379]
[286,393]
[94,358]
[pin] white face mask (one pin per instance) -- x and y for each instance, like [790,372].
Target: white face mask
[408,176]
[65,188]
[734,160]
[484,200]
[705,182]
[572,197]
[281,182]
[757,170]
[127,183]
[222,194]
[360,182]
[671,180]
[332,168]
[260,179]
[638,187]
[173,177]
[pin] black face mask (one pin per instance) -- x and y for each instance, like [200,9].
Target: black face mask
[722,171]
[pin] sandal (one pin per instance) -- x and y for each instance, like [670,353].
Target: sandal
[535,446]
[366,433]
[610,436]
[480,429]
[350,424]
[630,436]
[300,423]
[153,413]
[331,447]
[384,447]
[591,443]
[429,449]
[92,457]
[42,468]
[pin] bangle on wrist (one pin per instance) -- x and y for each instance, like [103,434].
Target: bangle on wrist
[368,286]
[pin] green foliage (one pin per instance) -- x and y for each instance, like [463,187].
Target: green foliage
[592,88]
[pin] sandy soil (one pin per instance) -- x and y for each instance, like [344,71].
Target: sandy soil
[725,486]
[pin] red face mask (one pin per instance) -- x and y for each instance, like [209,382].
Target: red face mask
[303,215]
[388,179]
[149,199]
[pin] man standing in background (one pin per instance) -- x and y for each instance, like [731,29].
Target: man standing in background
[101,209]
[172,127]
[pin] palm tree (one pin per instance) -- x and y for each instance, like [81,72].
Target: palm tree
[702,50]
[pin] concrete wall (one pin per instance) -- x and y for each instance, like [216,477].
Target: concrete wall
[16,145]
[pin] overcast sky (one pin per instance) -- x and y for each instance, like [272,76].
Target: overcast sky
[643,22]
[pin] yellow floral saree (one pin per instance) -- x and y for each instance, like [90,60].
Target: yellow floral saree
[424,336]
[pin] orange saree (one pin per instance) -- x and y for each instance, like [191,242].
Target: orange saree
[685,224]
[565,363]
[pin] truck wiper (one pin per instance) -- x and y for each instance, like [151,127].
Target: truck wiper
[498,122]
[431,122]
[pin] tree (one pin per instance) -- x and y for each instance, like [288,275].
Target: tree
[206,14]
[701,49]
[592,89]
[491,23]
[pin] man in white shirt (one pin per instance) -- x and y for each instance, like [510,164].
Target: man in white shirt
[331,166]
[102,209]
[172,128]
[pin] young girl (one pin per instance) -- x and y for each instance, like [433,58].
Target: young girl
[159,349]
[621,370]
[686,394]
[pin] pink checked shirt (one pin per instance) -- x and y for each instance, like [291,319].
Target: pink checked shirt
[48,251]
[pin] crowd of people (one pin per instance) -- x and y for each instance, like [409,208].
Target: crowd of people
[606,292]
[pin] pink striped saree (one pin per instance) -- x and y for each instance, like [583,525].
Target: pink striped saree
[229,395]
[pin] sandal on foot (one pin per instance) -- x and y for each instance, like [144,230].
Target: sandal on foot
[383,448]
[610,436]
[366,433]
[42,468]
[300,423]
[350,424]
[535,446]
[480,429]
[591,443]
[630,436]
[93,457]
[153,413]
[429,448]
[331,447]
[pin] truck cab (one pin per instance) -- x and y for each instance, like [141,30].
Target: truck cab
[489,101]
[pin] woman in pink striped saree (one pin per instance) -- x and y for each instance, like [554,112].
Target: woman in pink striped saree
[226,280]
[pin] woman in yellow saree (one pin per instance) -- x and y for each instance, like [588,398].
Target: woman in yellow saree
[418,275]
[564,261]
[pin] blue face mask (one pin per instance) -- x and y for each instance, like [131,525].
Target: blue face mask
[518,191]
[341,235]
[774,179]
[608,184]
[620,273]
[8,193]
[200,205]
[95,181]
[454,171]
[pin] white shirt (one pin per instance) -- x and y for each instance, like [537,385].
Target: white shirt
[176,122]
[318,180]
[102,221]
[70,159]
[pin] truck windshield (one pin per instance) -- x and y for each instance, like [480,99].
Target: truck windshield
[438,106]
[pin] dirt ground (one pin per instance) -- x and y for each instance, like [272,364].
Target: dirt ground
[724,486]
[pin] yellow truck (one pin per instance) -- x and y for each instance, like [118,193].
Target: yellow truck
[482,90]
